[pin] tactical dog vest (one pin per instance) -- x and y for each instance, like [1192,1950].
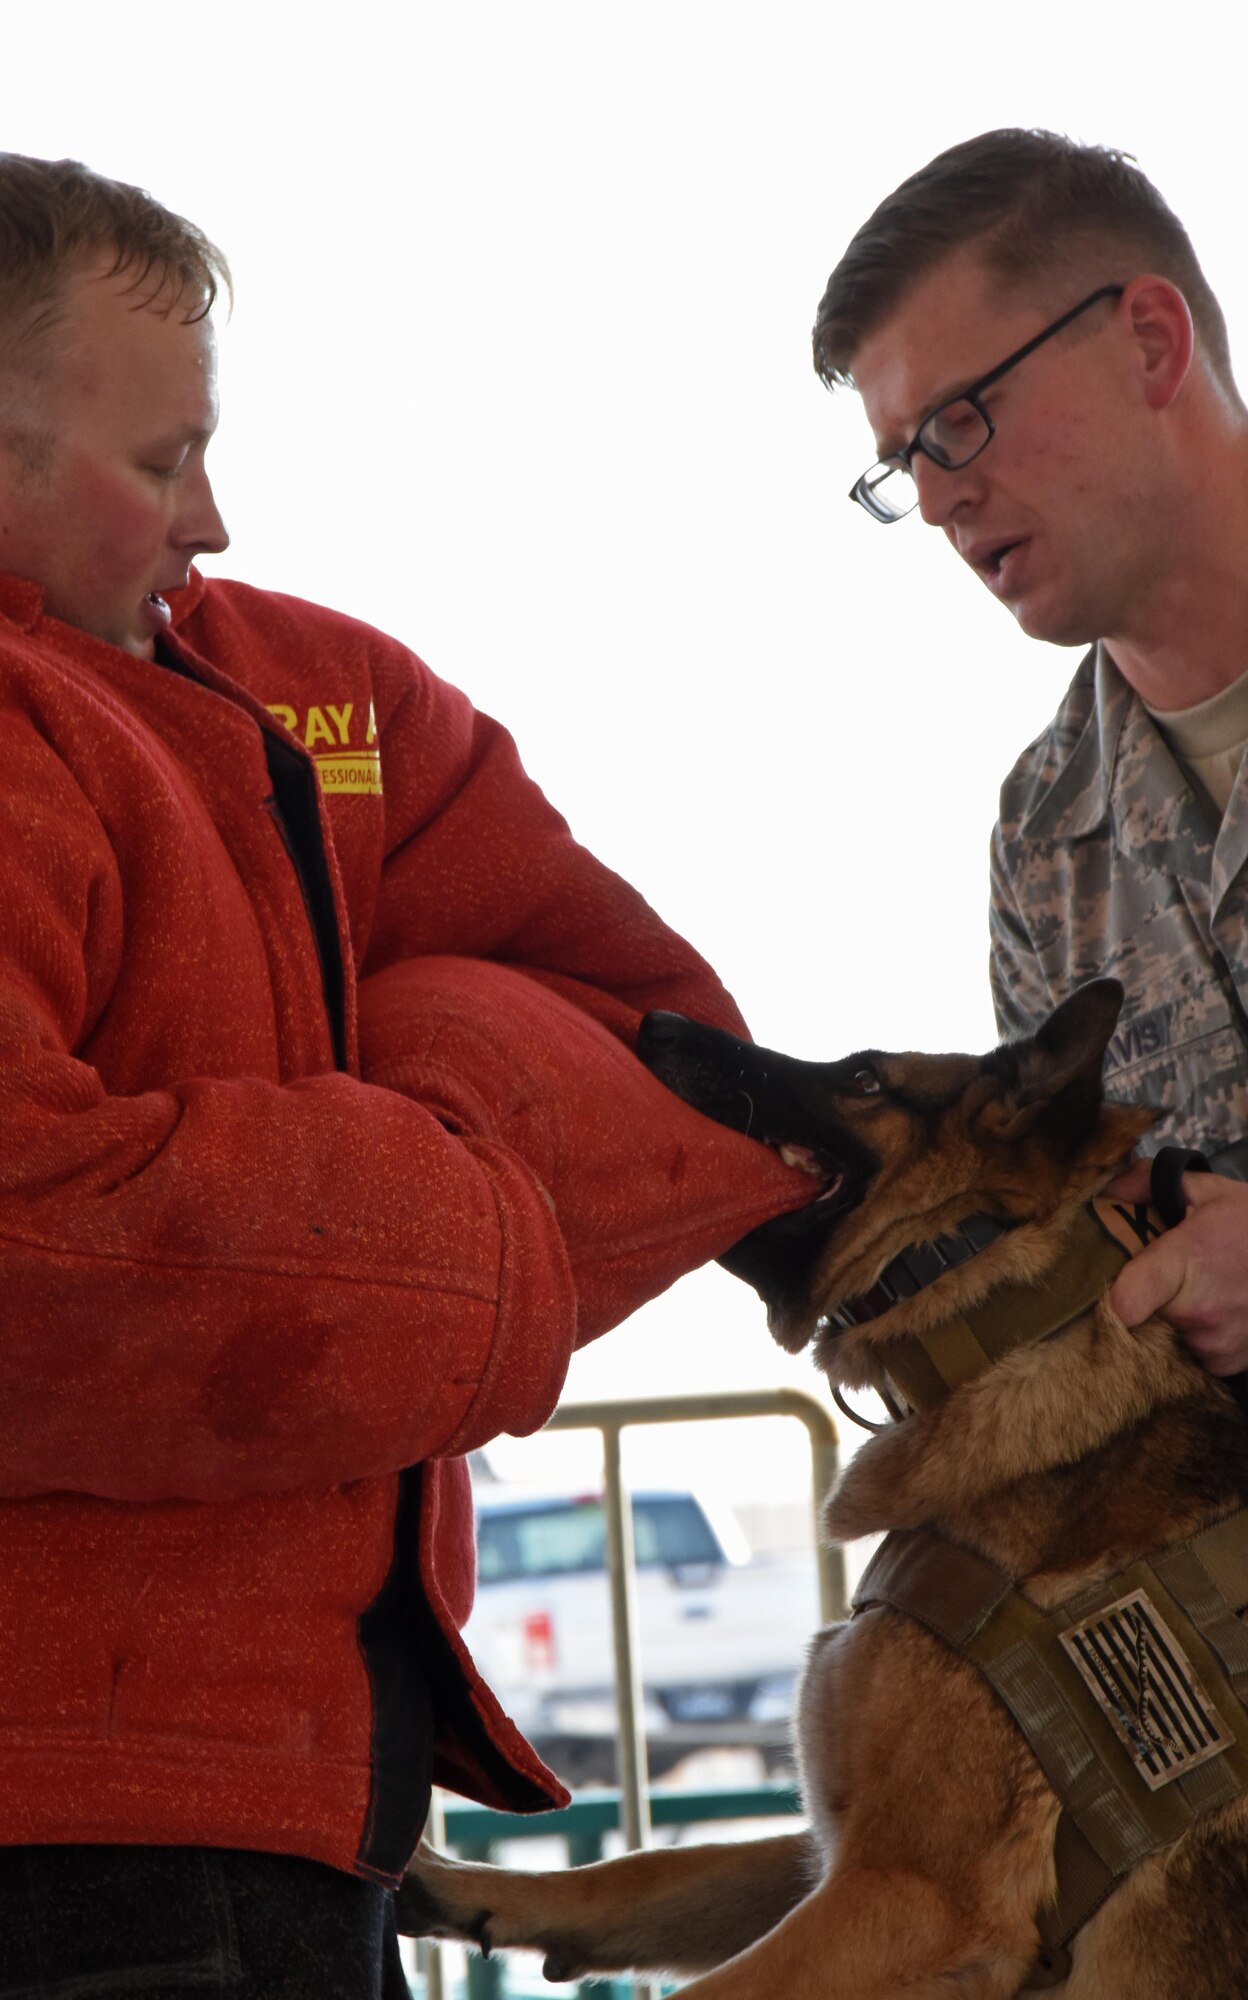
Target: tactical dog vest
[1133,1696]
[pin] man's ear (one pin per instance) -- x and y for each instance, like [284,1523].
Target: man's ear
[1165,340]
[1057,1069]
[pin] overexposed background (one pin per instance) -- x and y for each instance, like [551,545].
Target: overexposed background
[519,370]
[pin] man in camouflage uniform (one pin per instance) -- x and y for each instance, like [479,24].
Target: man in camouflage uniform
[1109,857]
[1035,296]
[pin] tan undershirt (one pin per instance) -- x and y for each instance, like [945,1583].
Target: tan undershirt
[1210,738]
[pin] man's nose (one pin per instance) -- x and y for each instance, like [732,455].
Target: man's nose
[199,525]
[943,491]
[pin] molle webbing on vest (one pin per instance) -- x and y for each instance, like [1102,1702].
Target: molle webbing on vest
[1188,1729]
[924,1367]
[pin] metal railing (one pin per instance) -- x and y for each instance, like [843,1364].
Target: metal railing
[613,1418]
[637,1808]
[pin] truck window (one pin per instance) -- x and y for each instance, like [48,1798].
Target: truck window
[569,1538]
[672,1531]
[541,1541]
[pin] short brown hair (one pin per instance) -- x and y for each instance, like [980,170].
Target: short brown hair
[55,215]
[1032,202]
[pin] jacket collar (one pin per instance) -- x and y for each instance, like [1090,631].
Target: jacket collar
[21,600]
[183,602]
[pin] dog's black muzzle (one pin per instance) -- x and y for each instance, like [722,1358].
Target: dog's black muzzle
[775,1099]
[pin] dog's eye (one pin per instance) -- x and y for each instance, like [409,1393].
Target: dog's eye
[866,1083]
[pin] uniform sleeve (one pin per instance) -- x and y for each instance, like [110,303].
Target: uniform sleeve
[1020,993]
[229,1285]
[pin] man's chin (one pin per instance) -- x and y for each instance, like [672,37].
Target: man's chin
[143,628]
[1056,625]
[132,629]
[153,619]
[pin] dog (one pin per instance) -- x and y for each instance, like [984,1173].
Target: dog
[933,1860]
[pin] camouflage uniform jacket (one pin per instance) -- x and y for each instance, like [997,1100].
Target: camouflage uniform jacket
[1107,860]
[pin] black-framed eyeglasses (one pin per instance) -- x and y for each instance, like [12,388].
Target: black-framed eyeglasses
[955,433]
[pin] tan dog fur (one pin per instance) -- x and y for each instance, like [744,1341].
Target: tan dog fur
[930,1845]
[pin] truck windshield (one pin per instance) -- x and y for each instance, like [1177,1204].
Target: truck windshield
[569,1537]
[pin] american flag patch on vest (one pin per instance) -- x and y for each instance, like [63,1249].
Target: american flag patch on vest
[1144,1682]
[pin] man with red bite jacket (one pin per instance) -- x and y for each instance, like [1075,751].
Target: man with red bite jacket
[322,1144]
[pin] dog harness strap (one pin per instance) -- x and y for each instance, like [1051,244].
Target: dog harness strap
[923,1367]
[1223,1550]
[915,1379]
[1031,1311]
[1132,1225]
[947,1589]
[1019,1655]
[1131,1694]
[1083,1883]
[955,1352]
[1190,1574]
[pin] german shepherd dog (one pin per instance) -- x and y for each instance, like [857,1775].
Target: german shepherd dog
[932,1840]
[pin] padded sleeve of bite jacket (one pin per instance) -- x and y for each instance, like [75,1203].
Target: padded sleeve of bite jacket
[508,963]
[229,1286]
[644,1187]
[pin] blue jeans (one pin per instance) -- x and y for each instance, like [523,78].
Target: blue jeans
[190,1923]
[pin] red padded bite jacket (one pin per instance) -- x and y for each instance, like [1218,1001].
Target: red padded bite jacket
[321,1145]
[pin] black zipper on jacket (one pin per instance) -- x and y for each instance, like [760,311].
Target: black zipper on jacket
[293,806]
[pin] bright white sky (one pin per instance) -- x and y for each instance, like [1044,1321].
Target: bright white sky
[519,370]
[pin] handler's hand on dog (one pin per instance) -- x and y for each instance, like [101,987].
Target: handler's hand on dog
[1196,1275]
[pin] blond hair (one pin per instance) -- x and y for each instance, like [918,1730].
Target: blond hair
[56,216]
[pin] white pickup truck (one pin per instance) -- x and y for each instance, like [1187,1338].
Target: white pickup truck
[721,1637]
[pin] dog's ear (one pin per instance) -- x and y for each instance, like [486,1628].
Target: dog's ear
[1055,1074]
[1072,1042]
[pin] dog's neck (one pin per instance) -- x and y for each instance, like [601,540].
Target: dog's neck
[931,1354]
[916,1267]
[1012,1376]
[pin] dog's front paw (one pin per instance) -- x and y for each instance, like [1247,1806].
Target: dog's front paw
[566,1962]
[436,1899]
[494,1909]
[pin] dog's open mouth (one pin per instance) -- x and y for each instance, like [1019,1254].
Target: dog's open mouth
[809,1161]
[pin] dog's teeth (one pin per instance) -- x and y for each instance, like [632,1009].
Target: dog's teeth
[800,1156]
